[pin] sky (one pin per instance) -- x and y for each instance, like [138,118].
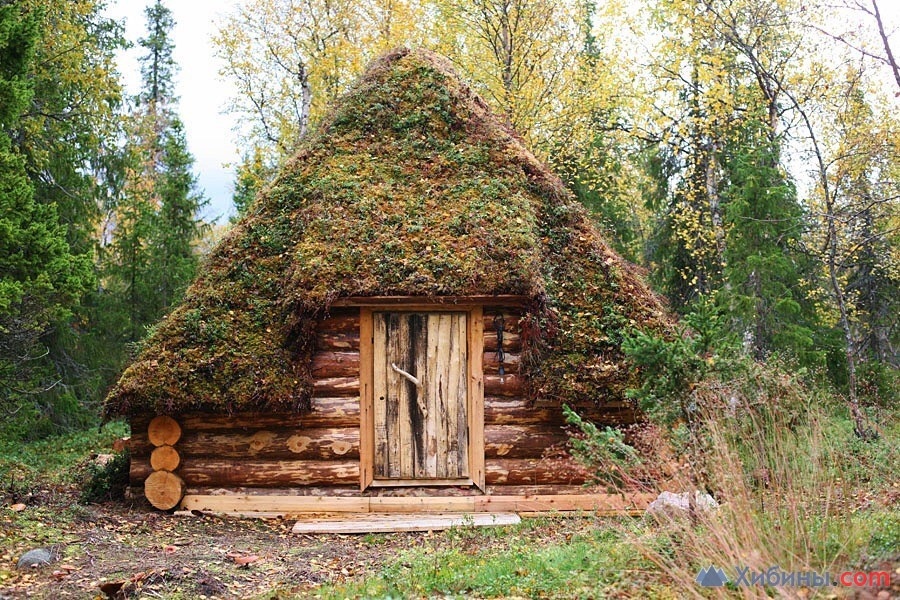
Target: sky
[204,93]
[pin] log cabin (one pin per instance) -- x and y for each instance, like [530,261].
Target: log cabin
[395,325]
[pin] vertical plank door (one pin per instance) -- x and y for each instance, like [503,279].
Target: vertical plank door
[420,395]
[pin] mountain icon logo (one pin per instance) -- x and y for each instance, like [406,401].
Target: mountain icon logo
[712,577]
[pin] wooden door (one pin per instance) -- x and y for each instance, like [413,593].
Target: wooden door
[420,384]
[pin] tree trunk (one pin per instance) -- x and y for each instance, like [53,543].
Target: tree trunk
[861,430]
[305,99]
[895,69]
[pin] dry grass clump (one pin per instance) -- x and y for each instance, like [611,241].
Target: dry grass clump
[798,490]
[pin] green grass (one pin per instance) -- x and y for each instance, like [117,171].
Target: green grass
[39,467]
[510,561]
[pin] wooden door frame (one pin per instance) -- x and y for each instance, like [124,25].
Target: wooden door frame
[475,401]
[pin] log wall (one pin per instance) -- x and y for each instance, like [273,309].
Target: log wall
[319,450]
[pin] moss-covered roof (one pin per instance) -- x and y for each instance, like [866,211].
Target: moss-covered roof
[411,186]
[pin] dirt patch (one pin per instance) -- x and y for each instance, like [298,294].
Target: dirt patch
[139,552]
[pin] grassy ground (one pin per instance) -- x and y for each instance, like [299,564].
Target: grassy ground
[156,555]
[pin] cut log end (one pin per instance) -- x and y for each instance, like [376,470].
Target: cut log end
[164,490]
[165,458]
[163,431]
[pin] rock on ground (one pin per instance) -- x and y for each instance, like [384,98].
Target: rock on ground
[36,557]
[670,504]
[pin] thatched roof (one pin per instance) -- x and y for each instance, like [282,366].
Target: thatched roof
[410,187]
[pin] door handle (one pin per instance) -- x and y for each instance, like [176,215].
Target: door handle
[414,380]
[420,400]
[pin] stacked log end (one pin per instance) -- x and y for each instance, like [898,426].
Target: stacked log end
[163,488]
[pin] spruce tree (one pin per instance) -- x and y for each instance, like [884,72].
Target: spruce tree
[40,278]
[764,268]
[157,219]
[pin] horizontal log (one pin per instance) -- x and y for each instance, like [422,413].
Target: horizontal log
[335,364]
[332,412]
[268,473]
[491,366]
[402,492]
[608,504]
[449,301]
[342,341]
[255,473]
[505,385]
[297,444]
[519,411]
[346,321]
[527,471]
[336,386]
[139,470]
[522,441]
[324,412]
[204,472]
[512,342]
[510,321]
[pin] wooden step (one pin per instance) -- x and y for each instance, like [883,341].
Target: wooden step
[393,522]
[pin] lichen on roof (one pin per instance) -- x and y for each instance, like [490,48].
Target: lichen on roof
[410,186]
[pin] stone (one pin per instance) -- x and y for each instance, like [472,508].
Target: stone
[35,558]
[669,504]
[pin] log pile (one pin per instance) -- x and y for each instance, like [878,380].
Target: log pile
[162,487]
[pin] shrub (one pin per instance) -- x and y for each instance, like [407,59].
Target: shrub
[671,366]
[107,480]
[614,462]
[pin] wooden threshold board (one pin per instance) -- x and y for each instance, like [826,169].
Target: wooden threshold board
[394,522]
[253,505]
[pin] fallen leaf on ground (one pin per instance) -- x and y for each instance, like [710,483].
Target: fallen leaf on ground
[18,507]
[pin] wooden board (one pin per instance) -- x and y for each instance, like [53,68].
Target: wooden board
[250,503]
[475,419]
[366,416]
[607,504]
[392,522]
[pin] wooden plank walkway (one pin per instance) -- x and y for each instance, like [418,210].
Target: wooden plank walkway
[394,522]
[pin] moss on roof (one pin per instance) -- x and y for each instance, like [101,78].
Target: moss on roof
[411,186]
